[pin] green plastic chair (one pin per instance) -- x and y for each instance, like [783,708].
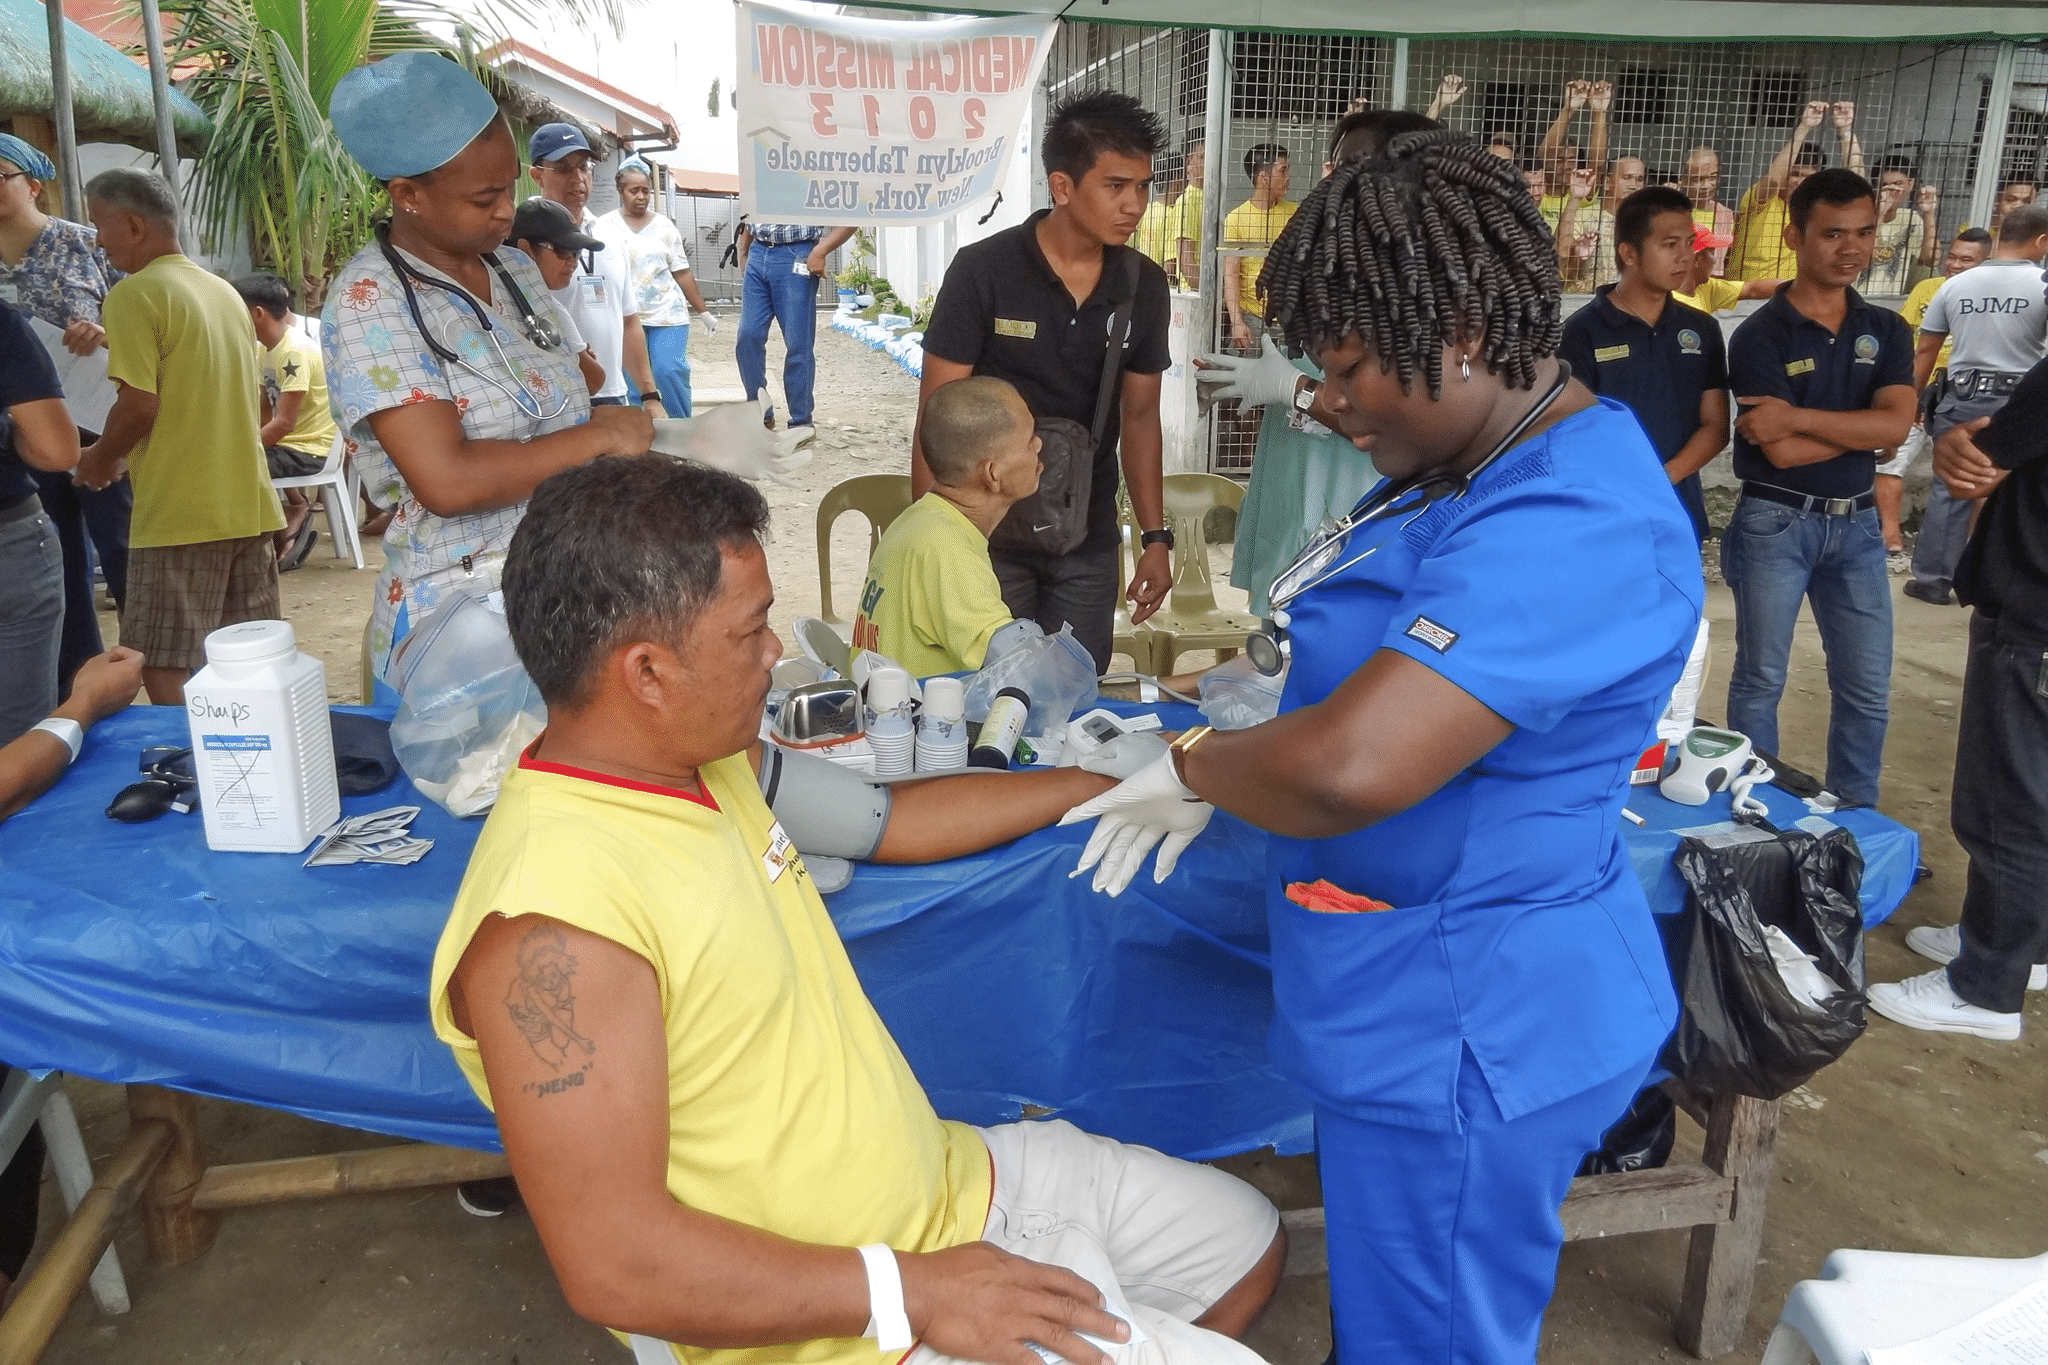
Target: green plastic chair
[881,498]
[1140,642]
[1191,620]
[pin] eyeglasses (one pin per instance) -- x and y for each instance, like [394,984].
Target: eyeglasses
[6,176]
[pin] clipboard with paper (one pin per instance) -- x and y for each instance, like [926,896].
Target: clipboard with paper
[88,391]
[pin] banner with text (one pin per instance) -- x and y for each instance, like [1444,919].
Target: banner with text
[856,122]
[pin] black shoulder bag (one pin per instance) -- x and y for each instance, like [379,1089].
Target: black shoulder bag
[1054,520]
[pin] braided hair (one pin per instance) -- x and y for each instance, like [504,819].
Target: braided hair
[1431,242]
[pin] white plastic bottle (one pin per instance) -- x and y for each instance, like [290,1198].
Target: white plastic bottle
[261,744]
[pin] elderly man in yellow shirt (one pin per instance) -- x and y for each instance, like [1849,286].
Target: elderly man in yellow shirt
[1255,222]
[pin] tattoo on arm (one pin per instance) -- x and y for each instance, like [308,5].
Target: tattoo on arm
[542,1004]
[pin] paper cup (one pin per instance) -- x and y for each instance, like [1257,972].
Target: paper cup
[945,699]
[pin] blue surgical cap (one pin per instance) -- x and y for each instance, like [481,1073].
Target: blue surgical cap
[26,157]
[410,113]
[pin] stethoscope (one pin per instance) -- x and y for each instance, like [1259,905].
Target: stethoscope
[1269,647]
[542,332]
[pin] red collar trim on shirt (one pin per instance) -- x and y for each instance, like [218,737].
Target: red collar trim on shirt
[532,764]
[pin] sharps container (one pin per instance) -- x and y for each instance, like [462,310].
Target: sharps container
[261,745]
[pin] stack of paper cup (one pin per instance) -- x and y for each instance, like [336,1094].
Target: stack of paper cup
[942,729]
[890,732]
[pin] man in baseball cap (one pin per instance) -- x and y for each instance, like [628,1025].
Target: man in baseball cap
[544,230]
[599,296]
[1707,291]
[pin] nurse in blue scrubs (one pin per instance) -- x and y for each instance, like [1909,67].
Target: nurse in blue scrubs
[1477,655]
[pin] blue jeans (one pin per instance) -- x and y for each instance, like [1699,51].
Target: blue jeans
[1944,531]
[1773,558]
[668,355]
[773,291]
[31,618]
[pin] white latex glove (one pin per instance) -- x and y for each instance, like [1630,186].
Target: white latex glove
[1270,377]
[708,321]
[1151,808]
[729,436]
[1125,756]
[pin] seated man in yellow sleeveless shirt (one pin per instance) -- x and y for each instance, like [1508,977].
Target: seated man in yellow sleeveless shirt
[725,1154]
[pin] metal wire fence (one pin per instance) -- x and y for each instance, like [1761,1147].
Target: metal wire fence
[1587,122]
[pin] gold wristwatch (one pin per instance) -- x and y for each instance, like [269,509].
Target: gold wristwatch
[1183,745]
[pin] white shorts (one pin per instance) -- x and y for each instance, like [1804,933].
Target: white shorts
[1162,1239]
[1910,449]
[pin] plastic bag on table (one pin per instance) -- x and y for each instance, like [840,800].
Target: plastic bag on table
[1640,1139]
[468,709]
[1236,696]
[1055,671]
[1742,1028]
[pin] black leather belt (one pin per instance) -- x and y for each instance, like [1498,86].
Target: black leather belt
[1833,507]
[1982,383]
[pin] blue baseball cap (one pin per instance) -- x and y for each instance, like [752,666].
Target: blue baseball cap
[410,113]
[553,141]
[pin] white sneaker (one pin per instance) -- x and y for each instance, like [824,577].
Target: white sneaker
[1928,1002]
[1945,944]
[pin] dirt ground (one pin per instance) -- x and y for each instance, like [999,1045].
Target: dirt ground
[1912,1142]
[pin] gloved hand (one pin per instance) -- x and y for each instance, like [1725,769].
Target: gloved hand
[1125,756]
[728,436]
[1270,377]
[1151,808]
[708,321]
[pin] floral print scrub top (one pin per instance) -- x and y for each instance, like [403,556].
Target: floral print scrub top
[376,361]
[62,276]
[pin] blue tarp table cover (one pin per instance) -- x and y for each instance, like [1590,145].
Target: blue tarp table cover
[133,953]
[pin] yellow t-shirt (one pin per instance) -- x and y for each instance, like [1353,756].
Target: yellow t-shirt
[1915,308]
[293,366]
[1551,206]
[183,334]
[1759,251]
[1150,238]
[1186,220]
[1250,225]
[931,600]
[1714,296]
[791,1108]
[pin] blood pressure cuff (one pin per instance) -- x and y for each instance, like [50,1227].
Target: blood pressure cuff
[828,810]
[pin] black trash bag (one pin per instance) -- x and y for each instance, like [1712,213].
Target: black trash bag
[1640,1140]
[1740,1030]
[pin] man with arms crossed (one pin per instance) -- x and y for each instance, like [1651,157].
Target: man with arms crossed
[1032,305]
[1993,323]
[719,1142]
[1825,381]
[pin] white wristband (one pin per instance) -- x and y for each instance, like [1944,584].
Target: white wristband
[70,731]
[888,1324]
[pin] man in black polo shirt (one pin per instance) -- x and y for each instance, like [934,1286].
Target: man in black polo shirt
[1999,803]
[1635,343]
[1032,305]
[1825,381]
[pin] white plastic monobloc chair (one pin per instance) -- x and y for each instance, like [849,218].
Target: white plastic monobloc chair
[1869,1300]
[337,483]
[25,1101]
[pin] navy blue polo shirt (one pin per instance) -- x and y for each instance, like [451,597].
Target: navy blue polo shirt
[1660,373]
[26,374]
[1779,352]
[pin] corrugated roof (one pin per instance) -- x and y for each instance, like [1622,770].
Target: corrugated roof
[110,97]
